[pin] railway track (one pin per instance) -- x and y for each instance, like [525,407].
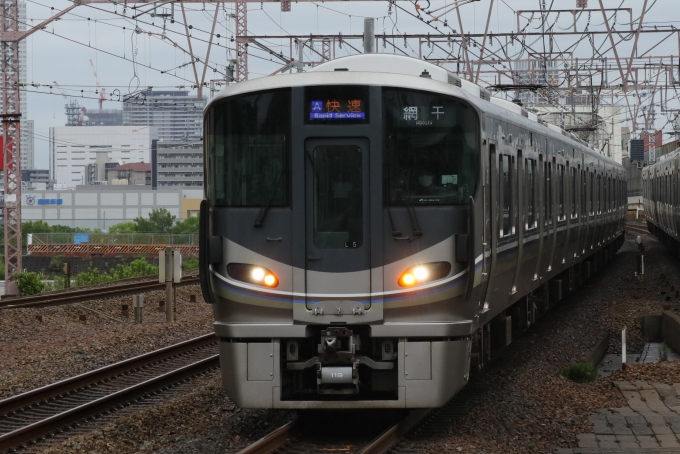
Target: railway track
[88,294]
[368,432]
[404,432]
[56,407]
[635,230]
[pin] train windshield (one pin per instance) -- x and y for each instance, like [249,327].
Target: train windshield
[248,150]
[431,148]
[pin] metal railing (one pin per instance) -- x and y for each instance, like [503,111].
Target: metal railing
[115,239]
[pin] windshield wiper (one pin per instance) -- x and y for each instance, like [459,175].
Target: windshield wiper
[265,208]
[413,217]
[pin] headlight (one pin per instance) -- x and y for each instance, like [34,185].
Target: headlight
[421,274]
[252,274]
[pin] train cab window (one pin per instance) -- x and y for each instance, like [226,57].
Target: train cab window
[530,172]
[506,185]
[338,196]
[248,150]
[432,148]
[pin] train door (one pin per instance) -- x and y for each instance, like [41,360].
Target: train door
[548,234]
[489,235]
[504,231]
[520,219]
[338,228]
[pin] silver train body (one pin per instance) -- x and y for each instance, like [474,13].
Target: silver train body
[661,200]
[375,228]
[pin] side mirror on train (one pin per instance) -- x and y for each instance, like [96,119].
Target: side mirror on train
[206,251]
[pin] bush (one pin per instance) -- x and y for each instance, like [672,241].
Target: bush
[580,372]
[92,277]
[191,264]
[663,351]
[136,268]
[30,283]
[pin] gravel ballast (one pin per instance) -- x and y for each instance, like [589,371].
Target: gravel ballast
[35,352]
[525,406]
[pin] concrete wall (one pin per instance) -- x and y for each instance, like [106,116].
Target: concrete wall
[100,207]
[670,329]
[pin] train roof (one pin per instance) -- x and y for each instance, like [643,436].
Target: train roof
[403,71]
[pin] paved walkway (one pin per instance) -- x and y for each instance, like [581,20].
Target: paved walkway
[649,424]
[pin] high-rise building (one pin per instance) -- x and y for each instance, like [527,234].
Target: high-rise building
[177,164]
[72,148]
[177,116]
[27,144]
[27,140]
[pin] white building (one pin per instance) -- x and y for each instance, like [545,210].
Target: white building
[72,148]
[601,130]
[100,207]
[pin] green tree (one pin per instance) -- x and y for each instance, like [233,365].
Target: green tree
[159,221]
[188,225]
[124,227]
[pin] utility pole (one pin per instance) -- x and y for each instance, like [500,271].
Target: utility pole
[11,131]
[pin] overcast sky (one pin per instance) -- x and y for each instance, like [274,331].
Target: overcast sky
[62,52]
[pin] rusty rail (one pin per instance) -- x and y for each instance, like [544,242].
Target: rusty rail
[88,294]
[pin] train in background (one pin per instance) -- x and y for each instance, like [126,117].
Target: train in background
[376,228]
[661,200]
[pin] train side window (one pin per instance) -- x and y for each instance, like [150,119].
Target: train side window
[530,170]
[560,193]
[506,195]
[605,182]
[599,194]
[574,213]
[547,192]
[584,199]
[591,189]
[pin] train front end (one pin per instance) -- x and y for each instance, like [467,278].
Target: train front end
[337,239]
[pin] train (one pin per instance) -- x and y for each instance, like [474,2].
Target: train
[377,228]
[661,201]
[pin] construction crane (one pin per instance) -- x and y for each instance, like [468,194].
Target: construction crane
[61,90]
[102,91]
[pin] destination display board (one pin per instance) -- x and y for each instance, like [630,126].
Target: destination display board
[336,104]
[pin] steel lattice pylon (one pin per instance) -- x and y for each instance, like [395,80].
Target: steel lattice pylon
[9,31]
[326,49]
[241,46]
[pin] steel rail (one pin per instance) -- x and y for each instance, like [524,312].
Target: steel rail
[273,441]
[61,387]
[383,442]
[379,445]
[93,378]
[79,296]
